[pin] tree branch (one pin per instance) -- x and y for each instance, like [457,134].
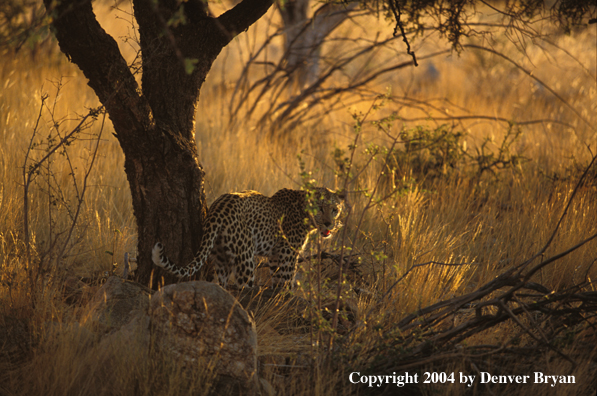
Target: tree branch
[395,7]
[243,15]
[96,53]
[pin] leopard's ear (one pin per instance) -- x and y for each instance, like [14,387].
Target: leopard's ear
[343,197]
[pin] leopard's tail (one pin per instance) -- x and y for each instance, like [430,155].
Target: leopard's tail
[207,244]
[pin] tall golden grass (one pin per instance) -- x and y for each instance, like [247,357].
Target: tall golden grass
[488,223]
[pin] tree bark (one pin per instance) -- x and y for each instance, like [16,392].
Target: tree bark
[155,126]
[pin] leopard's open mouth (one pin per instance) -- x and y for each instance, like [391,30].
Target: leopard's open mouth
[326,233]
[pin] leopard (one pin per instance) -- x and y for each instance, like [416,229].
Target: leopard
[240,226]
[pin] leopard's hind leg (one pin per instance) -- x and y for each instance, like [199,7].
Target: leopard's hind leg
[244,269]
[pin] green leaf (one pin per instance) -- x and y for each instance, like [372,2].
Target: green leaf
[190,64]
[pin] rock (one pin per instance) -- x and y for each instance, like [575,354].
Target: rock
[117,303]
[191,323]
[266,387]
[200,320]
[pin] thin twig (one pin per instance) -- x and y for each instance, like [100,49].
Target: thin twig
[397,14]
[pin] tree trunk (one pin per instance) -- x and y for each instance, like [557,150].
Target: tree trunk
[155,128]
[304,36]
[166,182]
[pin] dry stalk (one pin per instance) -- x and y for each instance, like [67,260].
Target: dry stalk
[557,311]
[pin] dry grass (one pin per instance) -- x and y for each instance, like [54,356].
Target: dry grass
[488,224]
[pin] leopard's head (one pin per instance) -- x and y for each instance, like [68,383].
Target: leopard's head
[325,209]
